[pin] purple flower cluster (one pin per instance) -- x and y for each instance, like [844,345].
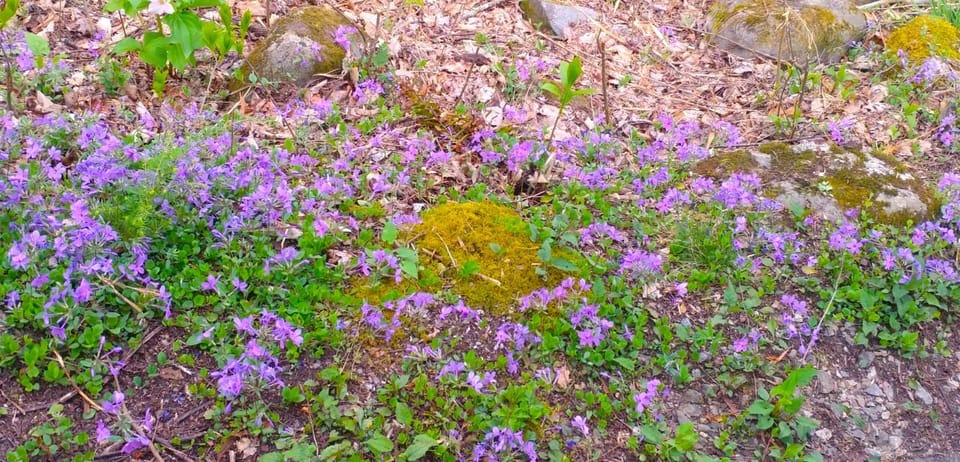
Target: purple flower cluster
[795,321]
[541,298]
[838,129]
[503,441]
[256,362]
[603,230]
[591,328]
[374,318]
[641,262]
[642,400]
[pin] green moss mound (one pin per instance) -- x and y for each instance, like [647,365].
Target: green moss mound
[484,252]
[480,251]
[926,36]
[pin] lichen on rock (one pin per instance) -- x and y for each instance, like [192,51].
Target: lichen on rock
[801,32]
[302,45]
[828,180]
[925,36]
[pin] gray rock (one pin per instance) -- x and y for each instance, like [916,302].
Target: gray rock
[691,397]
[824,434]
[895,442]
[798,31]
[923,395]
[689,412]
[873,390]
[301,45]
[556,16]
[866,359]
[826,383]
[827,180]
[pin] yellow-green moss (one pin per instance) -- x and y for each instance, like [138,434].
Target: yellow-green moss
[453,234]
[726,164]
[924,36]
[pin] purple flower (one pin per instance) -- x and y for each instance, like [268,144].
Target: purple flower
[640,262]
[453,368]
[134,443]
[102,433]
[580,424]
[368,91]
[83,292]
[645,398]
[838,128]
[18,257]
[210,285]
[239,285]
[741,344]
[342,36]
[112,405]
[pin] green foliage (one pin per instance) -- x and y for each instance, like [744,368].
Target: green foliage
[188,33]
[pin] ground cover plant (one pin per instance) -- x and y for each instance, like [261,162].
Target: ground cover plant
[386,277]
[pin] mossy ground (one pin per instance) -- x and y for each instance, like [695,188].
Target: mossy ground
[925,36]
[480,251]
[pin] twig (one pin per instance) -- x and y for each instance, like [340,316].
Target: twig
[607,119]
[76,387]
[136,426]
[452,260]
[463,89]
[122,297]
[39,407]
[833,296]
[481,8]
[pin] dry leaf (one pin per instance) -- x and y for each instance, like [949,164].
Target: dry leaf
[563,377]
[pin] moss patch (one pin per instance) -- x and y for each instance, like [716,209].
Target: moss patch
[481,251]
[925,36]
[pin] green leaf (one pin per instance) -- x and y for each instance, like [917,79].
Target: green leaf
[563,264]
[545,254]
[38,45]
[389,235]
[760,407]
[410,268]
[185,31]
[570,72]
[379,444]
[687,437]
[469,268]
[336,451]
[9,10]
[126,45]
[551,87]
[421,444]
[154,50]
[404,414]
[292,395]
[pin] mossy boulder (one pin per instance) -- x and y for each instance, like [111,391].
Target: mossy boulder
[924,36]
[801,32]
[555,16]
[480,251]
[828,180]
[301,45]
